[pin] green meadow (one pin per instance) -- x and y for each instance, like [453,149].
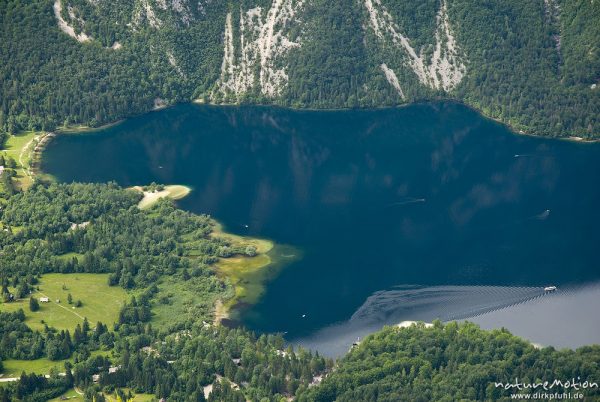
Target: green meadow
[100,302]
[73,395]
[70,395]
[14,368]
[20,148]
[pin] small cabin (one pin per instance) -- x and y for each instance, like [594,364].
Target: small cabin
[44,300]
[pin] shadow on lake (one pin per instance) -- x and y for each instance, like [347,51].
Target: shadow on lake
[429,194]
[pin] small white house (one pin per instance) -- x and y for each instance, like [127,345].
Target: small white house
[113,369]
[1,170]
[44,300]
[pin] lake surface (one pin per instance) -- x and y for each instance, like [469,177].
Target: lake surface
[420,212]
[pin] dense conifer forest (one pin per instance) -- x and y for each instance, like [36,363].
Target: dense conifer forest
[142,250]
[534,65]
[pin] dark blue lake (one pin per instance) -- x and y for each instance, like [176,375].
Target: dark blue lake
[430,197]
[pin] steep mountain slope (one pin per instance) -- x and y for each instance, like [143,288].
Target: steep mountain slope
[534,65]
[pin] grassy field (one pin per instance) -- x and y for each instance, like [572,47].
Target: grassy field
[14,368]
[100,301]
[20,148]
[72,395]
[136,397]
[69,256]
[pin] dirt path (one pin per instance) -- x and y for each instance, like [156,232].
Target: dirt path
[22,153]
[63,307]
[9,379]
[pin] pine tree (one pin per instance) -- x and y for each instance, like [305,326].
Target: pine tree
[33,304]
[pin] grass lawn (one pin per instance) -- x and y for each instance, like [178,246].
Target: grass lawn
[100,301]
[70,395]
[14,368]
[136,397]
[20,148]
[69,256]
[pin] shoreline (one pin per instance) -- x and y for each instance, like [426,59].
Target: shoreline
[151,197]
[511,127]
[43,138]
[246,274]
[83,129]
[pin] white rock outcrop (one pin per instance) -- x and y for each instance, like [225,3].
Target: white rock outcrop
[64,25]
[444,69]
[144,11]
[391,77]
[263,42]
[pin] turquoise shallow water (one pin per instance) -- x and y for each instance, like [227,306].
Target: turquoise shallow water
[430,195]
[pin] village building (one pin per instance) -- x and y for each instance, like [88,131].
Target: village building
[113,369]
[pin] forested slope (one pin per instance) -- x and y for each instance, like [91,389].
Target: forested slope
[454,362]
[534,65]
[74,229]
[164,257]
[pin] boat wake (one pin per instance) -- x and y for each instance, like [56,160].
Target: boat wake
[417,303]
[407,201]
[445,303]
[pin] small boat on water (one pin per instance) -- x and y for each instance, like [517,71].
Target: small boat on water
[549,288]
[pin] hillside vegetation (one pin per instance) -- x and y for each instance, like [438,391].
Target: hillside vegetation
[453,362]
[132,310]
[532,64]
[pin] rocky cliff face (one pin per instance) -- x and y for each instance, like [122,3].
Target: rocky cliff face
[534,65]
[264,39]
[257,41]
[443,69]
